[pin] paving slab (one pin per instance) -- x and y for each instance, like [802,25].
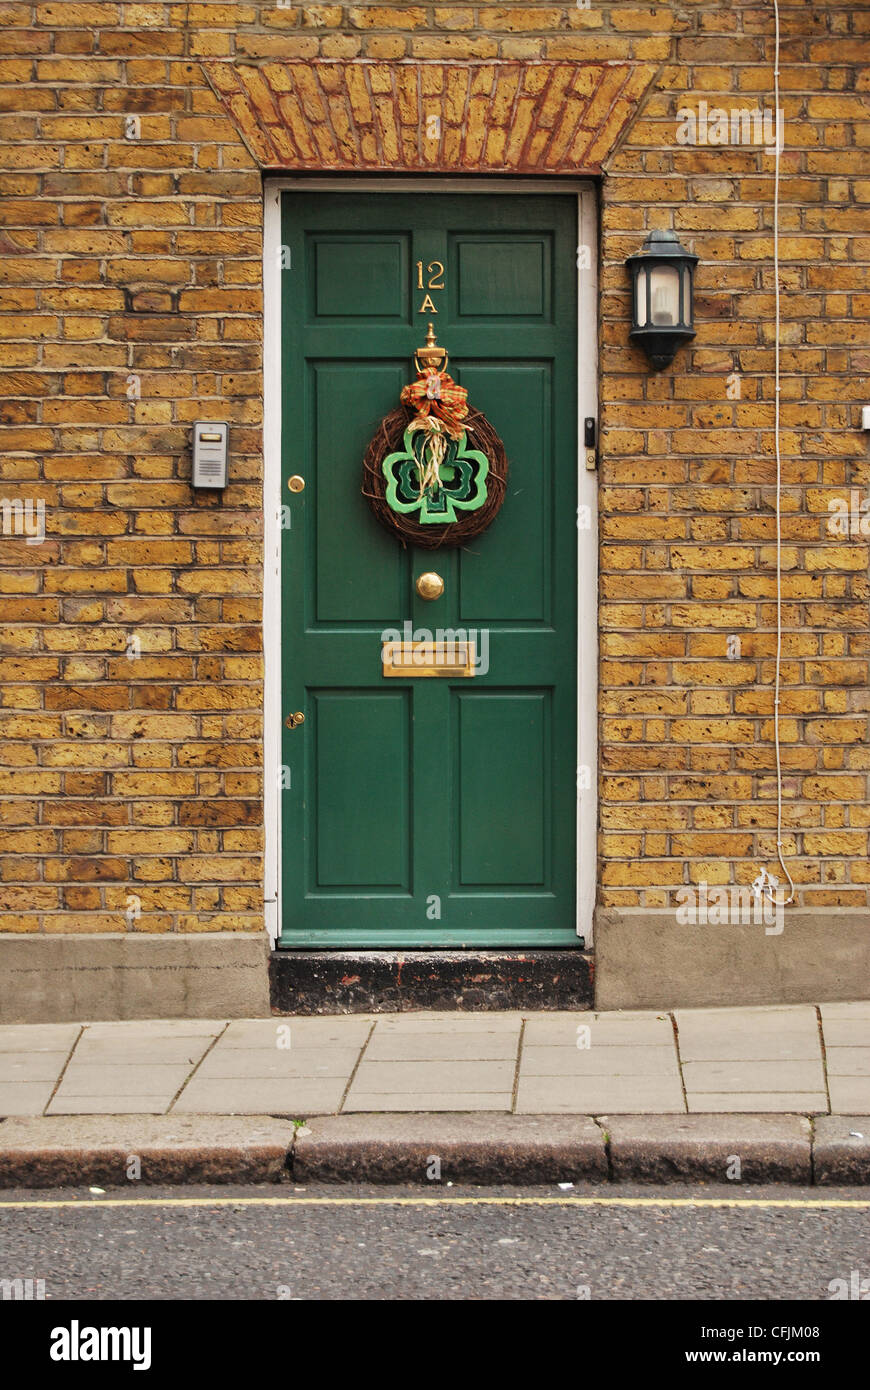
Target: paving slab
[610,1030]
[438,1148]
[859,1009]
[290,1096]
[31,1066]
[375,1102]
[847,1061]
[846,1032]
[787,1033]
[740,1076]
[628,1016]
[850,1095]
[142,1052]
[761,1022]
[773,1017]
[599,1061]
[593,1095]
[25,1097]
[802,1045]
[38,1037]
[758,1102]
[443,1074]
[94,1079]
[75,1152]
[397,1046]
[709,1148]
[259,1064]
[350,1031]
[110,1104]
[841,1149]
[430,1021]
[157,1028]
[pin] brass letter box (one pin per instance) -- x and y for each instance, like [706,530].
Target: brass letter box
[427,659]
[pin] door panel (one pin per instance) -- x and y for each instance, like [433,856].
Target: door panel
[502,788]
[429,811]
[507,277]
[379,288]
[365,844]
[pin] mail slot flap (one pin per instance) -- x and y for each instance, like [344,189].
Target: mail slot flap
[431,658]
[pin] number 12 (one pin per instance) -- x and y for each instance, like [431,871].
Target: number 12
[435,270]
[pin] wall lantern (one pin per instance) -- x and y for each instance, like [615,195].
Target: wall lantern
[662,275]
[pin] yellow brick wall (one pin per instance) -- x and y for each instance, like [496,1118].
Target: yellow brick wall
[688,499]
[130,643]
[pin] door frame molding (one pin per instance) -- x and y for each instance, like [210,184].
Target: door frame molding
[587,495]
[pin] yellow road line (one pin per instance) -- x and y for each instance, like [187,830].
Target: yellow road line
[566,1201]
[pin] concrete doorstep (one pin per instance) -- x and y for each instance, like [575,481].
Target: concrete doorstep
[121,1151]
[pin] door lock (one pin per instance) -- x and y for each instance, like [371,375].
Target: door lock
[294,720]
[296,484]
[589,442]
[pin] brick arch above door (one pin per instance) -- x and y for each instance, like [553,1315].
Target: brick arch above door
[509,118]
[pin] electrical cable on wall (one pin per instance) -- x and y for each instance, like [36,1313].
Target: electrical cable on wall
[777,149]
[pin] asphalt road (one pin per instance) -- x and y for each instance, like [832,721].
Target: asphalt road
[281,1243]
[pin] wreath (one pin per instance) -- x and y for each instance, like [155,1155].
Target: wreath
[435,473]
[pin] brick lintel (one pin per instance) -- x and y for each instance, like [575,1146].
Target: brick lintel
[431,117]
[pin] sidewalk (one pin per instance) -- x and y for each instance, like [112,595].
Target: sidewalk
[398,1084]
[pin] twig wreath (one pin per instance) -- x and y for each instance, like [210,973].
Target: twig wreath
[435,472]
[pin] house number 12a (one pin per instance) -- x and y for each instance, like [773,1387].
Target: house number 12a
[435,272]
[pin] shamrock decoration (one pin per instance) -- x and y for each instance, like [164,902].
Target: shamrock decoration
[435,475]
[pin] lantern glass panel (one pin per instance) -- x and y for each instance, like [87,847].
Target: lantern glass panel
[640,295]
[687,295]
[665,296]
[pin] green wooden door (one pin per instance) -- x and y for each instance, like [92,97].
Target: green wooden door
[428,811]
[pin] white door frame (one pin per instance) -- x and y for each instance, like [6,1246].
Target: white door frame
[587,497]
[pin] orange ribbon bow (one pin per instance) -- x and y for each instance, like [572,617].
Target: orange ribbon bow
[437,394]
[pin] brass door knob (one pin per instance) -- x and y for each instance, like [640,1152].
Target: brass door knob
[296,484]
[294,720]
[430,585]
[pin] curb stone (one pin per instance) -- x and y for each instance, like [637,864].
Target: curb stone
[690,1148]
[490,1148]
[840,1156]
[76,1150]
